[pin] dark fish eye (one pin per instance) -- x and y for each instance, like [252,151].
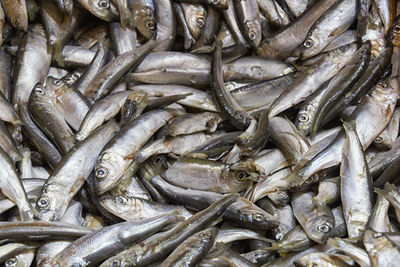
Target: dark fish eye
[383,84]
[215,2]
[11,262]
[258,217]
[150,25]
[308,43]
[396,29]
[378,140]
[104,4]
[324,228]
[200,22]
[43,202]
[157,160]
[76,75]
[241,175]
[39,90]
[252,36]
[120,199]
[303,118]
[101,172]
[344,48]
[115,263]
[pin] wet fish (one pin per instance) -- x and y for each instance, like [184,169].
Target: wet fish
[354,174]
[192,250]
[17,13]
[159,245]
[50,119]
[33,63]
[71,173]
[120,152]
[110,240]
[103,9]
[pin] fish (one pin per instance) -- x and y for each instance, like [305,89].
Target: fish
[193,249]
[120,152]
[17,13]
[103,9]
[71,173]
[144,16]
[149,249]
[32,51]
[356,210]
[110,240]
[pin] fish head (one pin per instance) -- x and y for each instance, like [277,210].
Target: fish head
[373,241]
[39,93]
[197,22]
[155,165]
[55,86]
[109,168]
[303,120]
[394,32]
[319,228]
[145,20]
[103,9]
[254,217]
[310,47]
[253,32]
[71,78]
[241,175]
[52,203]
[118,204]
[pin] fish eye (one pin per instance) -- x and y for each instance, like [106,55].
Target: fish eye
[308,43]
[215,2]
[11,262]
[241,175]
[150,25]
[200,22]
[344,48]
[76,75]
[252,36]
[157,160]
[396,29]
[39,90]
[57,82]
[303,118]
[324,228]
[104,4]
[115,263]
[101,172]
[258,217]
[43,202]
[383,84]
[120,199]
[378,140]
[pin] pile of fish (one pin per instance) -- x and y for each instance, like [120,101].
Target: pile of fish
[199,133]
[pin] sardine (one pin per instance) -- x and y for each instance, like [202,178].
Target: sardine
[71,173]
